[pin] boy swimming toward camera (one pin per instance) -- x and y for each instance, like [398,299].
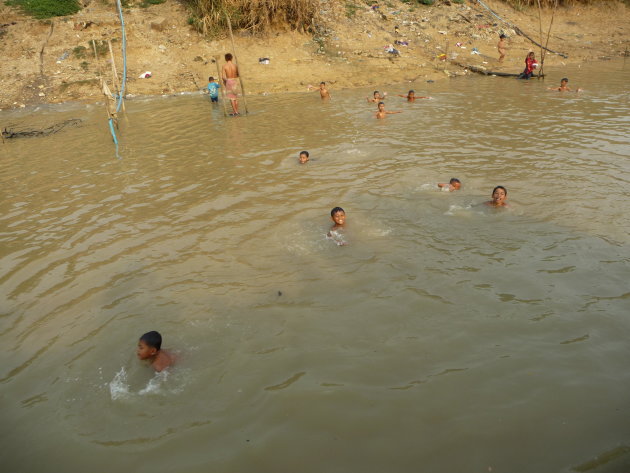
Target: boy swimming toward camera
[377,97]
[303,159]
[382,113]
[563,86]
[338,216]
[411,96]
[150,349]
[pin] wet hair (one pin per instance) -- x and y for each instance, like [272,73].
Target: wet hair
[502,36]
[564,79]
[228,57]
[411,92]
[381,103]
[210,79]
[376,92]
[335,210]
[454,180]
[304,152]
[322,83]
[152,339]
[499,187]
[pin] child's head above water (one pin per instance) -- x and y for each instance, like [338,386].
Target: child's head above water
[149,345]
[303,159]
[455,183]
[338,216]
[564,81]
[376,92]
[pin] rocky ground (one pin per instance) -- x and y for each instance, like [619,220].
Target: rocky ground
[53,61]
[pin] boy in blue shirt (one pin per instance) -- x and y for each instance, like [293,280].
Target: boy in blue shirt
[213,89]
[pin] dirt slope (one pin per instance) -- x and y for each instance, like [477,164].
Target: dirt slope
[52,61]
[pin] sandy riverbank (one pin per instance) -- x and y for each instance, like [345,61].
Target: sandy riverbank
[49,61]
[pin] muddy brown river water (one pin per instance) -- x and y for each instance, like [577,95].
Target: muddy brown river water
[446,336]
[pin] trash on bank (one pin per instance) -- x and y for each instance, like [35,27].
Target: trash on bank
[145,75]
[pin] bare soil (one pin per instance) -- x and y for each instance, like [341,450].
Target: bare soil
[52,61]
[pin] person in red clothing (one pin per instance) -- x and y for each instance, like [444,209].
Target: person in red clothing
[530,65]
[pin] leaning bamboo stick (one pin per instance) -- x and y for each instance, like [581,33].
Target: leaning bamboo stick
[542,53]
[553,13]
[103,83]
[116,80]
[236,61]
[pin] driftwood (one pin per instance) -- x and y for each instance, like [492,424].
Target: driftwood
[482,70]
[30,133]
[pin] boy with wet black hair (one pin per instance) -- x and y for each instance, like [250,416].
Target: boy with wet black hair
[453,185]
[563,86]
[303,159]
[150,348]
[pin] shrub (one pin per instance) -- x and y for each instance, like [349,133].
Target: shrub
[46,8]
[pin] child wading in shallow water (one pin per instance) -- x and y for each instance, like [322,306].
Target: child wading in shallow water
[377,97]
[150,348]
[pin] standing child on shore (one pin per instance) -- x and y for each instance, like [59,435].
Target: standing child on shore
[501,47]
[213,89]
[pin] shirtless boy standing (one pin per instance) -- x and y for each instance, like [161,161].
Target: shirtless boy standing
[229,74]
[501,47]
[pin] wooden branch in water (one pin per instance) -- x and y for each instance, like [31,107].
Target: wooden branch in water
[482,70]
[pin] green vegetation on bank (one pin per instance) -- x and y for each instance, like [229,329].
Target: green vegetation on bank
[46,8]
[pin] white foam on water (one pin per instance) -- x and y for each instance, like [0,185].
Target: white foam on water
[118,387]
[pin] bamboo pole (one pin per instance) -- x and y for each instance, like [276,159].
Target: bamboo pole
[225,112]
[103,85]
[116,81]
[236,60]
[542,53]
[542,64]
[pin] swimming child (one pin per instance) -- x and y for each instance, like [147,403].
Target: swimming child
[453,185]
[377,97]
[563,86]
[149,348]
[499,196]
[411,96]
[381,113]
[213,89]
[338,216]
[323,91]
[303,159]
[501,47]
